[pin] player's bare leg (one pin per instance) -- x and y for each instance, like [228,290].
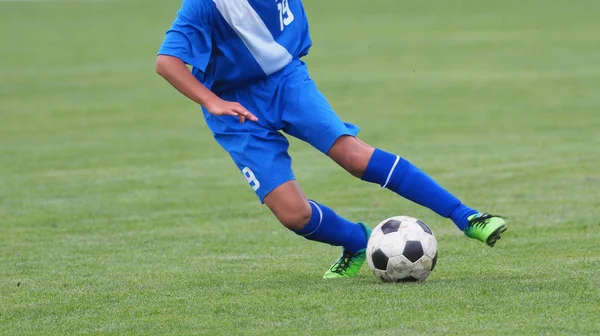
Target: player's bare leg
[352,154]
[288,203]
[400,176]
[317,222]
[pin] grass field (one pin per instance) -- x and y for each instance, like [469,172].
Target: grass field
[119,214]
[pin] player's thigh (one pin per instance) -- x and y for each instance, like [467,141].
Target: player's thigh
[261,156]
[307,114]
[266,165]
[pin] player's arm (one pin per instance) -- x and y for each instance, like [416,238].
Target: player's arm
[189,41]
[175,71]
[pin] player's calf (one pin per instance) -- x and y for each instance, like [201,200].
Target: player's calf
[351,154]
[399,175]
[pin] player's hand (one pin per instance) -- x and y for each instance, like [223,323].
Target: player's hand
[223,107]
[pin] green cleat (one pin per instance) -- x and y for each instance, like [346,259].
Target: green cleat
[349,263]
[485,227]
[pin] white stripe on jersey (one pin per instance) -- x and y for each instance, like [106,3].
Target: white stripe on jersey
[270,55]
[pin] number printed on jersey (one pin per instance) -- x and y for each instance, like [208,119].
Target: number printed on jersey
[285,14]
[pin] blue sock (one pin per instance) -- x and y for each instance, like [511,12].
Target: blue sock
[327,227]
[402,177]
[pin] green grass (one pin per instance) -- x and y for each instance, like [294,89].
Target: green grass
[120,215]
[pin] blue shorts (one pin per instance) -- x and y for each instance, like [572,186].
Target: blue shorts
[287,101]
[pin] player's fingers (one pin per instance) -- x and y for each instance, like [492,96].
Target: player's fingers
[243,112]
[234,113]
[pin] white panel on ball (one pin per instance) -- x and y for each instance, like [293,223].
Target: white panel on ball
[419,270]
[399,267]
[393,244]
[429,245]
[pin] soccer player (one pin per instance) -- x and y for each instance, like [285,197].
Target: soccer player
[248,77]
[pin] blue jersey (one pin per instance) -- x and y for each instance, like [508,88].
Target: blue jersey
[233,43]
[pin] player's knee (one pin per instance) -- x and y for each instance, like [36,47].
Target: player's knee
[295,219]
[289,205]
[296,223]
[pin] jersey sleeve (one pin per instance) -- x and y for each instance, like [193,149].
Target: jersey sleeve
[190,35]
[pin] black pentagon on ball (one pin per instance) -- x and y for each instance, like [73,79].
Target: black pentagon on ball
[413,250]
[380,260]
[434,261]
[424,227]
[390,226]
[407,279]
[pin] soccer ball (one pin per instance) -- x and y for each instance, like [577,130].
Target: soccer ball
[402,249]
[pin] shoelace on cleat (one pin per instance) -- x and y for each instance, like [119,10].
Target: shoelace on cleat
[481,221]
[343,263]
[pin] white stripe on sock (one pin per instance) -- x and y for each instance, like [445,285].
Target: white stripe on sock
[391,172]
[320,218]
